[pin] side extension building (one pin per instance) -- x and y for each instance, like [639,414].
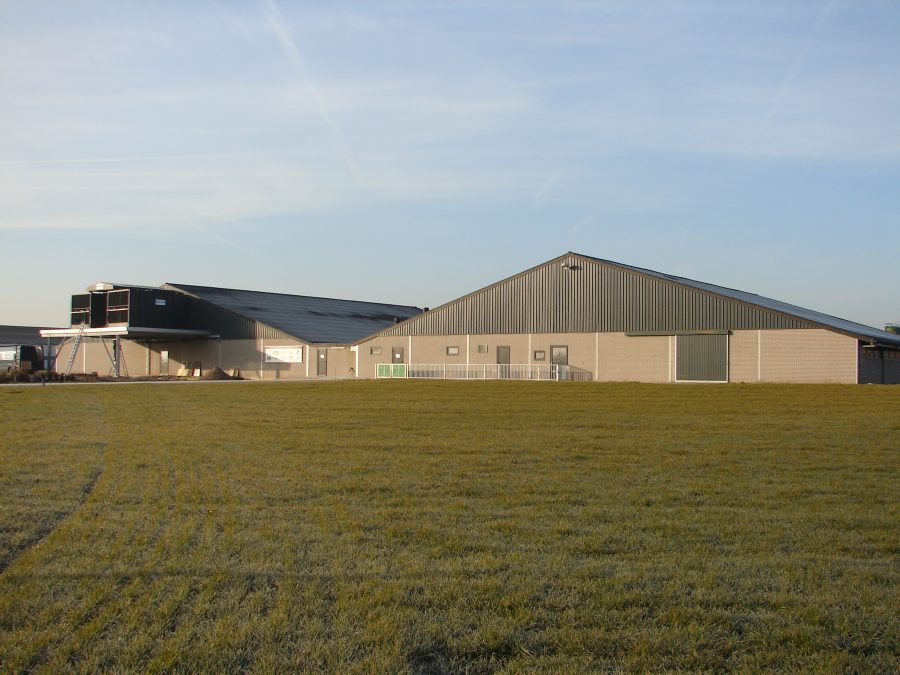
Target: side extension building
[180,329]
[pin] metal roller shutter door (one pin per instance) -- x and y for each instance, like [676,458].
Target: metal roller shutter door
[701,358]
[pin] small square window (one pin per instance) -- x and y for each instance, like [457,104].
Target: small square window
[374,351]
[452,351]
[540,355]
[482,349]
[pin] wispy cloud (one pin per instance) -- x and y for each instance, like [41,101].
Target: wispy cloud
[795,69]
[544,190]
[292,54]
[587,220]
[122,159]
[209,192]
[231,18]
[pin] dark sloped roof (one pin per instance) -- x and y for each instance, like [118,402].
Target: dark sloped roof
[826,320]
[308,318]
[21,335]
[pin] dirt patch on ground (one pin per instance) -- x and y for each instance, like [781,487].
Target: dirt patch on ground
[216,374]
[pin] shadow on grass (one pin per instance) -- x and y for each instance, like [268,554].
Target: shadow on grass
[440,657]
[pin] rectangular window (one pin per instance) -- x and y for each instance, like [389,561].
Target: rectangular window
[452,351]
[540,355]
[375,351]
[482,349]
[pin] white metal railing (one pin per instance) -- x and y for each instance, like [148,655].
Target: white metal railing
[483,371]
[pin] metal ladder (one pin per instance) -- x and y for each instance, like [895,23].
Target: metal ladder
[74,350]
[117,357]
[123,367]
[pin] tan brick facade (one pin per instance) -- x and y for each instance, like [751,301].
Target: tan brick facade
[243,357]
[634,359]
[743,353]
[609,356]
[792,355]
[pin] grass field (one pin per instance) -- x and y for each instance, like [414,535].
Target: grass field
[434,527]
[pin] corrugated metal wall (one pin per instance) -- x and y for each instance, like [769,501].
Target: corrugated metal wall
[878,366]
[587,296]
[701,358]
[870,367]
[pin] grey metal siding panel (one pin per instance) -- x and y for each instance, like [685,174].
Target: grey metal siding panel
[144,312]
[593,297]
[701,358]
[892,371]
[869,369]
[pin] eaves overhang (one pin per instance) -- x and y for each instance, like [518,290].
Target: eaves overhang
[124,331]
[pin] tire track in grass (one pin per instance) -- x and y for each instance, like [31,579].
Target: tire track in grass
[47,528]
[110,592]
[37,652]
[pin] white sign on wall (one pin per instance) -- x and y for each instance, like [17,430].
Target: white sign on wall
[284,354]
[8,355]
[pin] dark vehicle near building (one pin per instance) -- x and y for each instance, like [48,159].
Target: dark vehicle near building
[21,358]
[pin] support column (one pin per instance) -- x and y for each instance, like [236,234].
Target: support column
[759,356]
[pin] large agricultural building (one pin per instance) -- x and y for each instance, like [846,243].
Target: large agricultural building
[572,318]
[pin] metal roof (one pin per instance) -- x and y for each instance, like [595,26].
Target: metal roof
[537,301]
[21,335]
[852,328]
[316,320]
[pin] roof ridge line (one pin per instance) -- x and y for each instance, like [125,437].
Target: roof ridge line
[288,295]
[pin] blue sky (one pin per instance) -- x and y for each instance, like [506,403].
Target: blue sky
[412,152]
